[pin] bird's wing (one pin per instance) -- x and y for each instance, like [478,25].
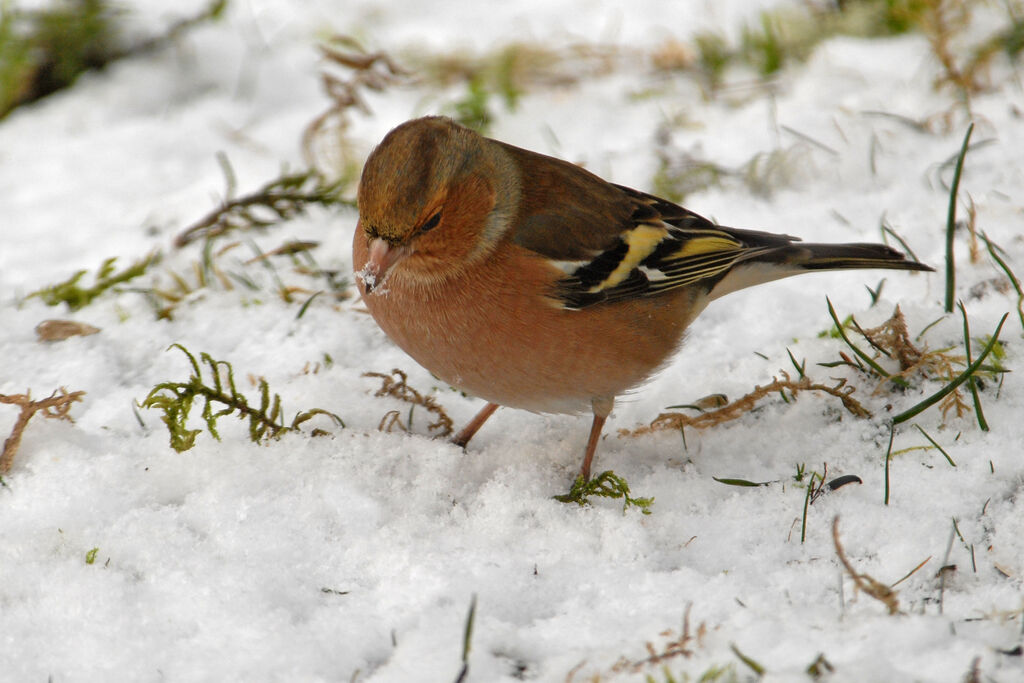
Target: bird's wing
[662,247]
[620,244]
[614,243]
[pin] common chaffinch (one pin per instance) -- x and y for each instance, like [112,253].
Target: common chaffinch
[532,283]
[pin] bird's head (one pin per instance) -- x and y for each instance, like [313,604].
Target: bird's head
[434,197]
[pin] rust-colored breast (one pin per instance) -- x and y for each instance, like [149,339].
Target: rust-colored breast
[491,332]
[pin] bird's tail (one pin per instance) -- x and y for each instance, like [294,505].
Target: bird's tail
[844,256]
[778,261]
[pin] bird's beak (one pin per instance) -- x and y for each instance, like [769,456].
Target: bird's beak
[382,257]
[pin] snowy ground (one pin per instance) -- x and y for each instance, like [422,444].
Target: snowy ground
[356,556]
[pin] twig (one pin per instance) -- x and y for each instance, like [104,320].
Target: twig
[58,406]
[876,589]
[395,385]
[734,410]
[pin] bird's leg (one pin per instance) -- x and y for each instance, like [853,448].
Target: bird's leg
[602,408]
[467,432]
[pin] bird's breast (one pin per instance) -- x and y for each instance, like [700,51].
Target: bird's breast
[492,331]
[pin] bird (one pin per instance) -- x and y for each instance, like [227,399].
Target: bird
[529,282]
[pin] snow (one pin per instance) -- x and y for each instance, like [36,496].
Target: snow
[356,556]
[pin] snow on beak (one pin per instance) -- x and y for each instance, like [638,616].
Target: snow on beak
[382,258]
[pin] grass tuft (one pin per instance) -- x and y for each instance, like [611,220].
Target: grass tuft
[956,382]
[349,71]
[893,341]
[283,198]
[396,386]
[76,297]
[176,400]
[875,367]
[43,51]
[675,645]
[815,488]
[605,485]
[473,109]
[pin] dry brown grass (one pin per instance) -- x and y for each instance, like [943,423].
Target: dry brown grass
[395,385]
[57,406]
[736,409]
[864,582]
[59,330]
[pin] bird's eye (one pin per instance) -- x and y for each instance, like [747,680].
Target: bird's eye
[431,222]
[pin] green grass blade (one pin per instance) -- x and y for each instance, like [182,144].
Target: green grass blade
[754,665]
[728,481]
[936,444]
[970,382]
[961,378]
[863,356]
[467,638]
[302,311]
[888,459]
[800,367]
[951,221]
[992,250]
[807,502]
[888,230]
